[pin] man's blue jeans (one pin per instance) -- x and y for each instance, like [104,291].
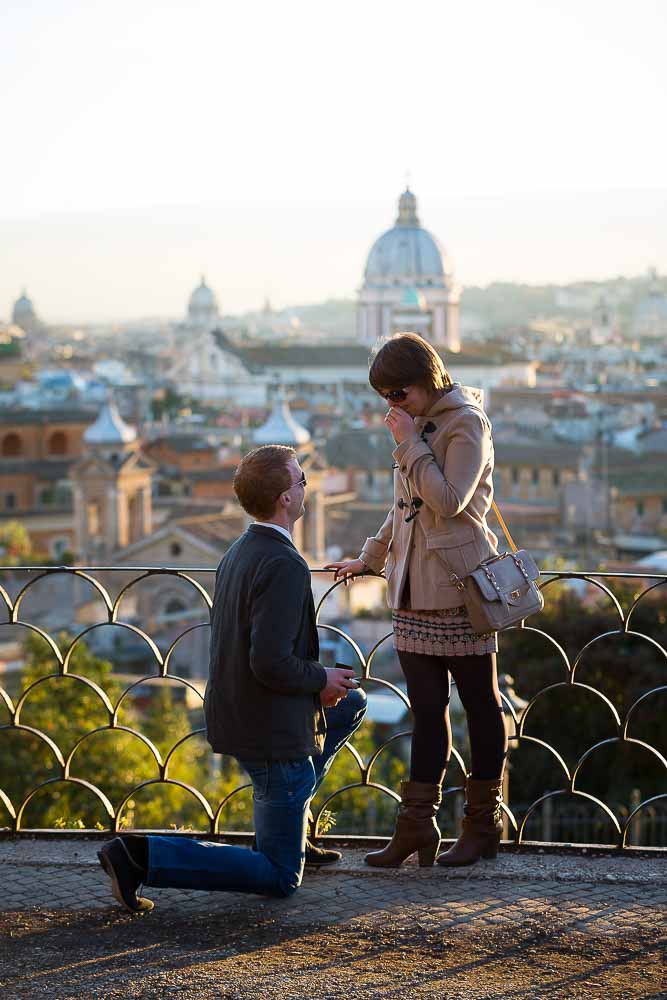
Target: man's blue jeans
[282,791]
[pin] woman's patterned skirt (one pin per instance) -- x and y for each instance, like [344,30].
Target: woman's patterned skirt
[440,633]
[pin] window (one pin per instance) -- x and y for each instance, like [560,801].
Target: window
[93,519]
[58,547]
[46,496]
[174,606]
[640,508]
[515,477]
[62,495]
[664,505]
[555,477]
[536,477]
[10,501]
[58,443]
[11,445]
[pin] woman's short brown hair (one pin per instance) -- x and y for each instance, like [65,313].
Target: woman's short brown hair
[261,476]
[407,359]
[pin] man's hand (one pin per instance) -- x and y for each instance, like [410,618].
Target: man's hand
[401,425]
[340,680]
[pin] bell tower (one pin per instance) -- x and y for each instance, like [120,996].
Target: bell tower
[112,488]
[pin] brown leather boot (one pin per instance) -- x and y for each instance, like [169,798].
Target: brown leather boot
[416,828]
[482,824]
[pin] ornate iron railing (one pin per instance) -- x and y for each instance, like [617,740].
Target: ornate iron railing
[585,727]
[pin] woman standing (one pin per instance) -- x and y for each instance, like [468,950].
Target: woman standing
[437,529]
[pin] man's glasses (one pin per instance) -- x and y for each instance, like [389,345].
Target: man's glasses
[301,482]
[395,395]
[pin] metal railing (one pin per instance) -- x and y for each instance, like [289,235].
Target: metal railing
[585,730]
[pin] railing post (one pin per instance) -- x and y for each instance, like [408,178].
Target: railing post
[506,798]
[640,818]
[547,821]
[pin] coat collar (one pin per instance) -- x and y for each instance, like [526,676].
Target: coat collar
[457,396]
[277,536]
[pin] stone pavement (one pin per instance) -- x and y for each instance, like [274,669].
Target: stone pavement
[64,873]
[555,908]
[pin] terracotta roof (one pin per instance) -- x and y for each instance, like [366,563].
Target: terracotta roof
[40,468]
[44,417]
[549,453]
[365,447]
[181,443]
[184,507]
[305,356]
[259,356]
[222,473]
[212,530]
[640,480]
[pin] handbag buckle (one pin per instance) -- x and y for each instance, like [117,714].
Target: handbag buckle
[457,581]
[515,595]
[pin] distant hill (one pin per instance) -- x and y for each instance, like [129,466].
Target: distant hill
[502,304]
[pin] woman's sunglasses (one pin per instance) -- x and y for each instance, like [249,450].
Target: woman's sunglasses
[395,395]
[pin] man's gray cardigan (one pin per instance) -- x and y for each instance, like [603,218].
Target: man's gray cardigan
[262,699]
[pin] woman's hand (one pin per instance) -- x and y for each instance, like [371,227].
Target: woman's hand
[401,425]
[346,569]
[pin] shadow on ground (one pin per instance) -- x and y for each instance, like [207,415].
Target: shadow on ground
[532,942]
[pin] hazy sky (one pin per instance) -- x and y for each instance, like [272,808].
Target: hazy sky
[266,144]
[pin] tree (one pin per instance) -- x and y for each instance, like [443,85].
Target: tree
[572,720]
[65,709]
[15,545]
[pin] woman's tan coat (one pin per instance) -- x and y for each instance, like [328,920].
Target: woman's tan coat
[450,470]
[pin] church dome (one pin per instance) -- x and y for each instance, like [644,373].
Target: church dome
[109,428]
[203,303]
[23,310]
[281,427]
[408,252]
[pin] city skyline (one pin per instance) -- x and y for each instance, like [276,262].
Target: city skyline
[158,270]
[266,147]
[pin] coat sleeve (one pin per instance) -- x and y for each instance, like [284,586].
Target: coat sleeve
[448,491]
[374,552]
[276,617]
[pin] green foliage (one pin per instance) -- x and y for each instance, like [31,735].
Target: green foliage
[15,546]
[169,403]
[364,810]
[622,666]
[572,719]
[65,709]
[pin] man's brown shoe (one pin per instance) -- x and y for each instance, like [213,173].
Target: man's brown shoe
[316,856]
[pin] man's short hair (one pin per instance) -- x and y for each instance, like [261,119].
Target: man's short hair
[261,476]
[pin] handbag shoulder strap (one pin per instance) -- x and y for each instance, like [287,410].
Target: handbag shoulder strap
[501,522]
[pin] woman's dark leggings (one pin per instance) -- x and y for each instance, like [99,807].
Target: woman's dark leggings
[428,679]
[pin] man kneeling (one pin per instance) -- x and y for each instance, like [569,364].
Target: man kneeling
[264,705]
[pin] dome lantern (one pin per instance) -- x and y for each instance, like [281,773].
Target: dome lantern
[407,209]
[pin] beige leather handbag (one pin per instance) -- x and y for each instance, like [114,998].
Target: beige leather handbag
[502,591]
